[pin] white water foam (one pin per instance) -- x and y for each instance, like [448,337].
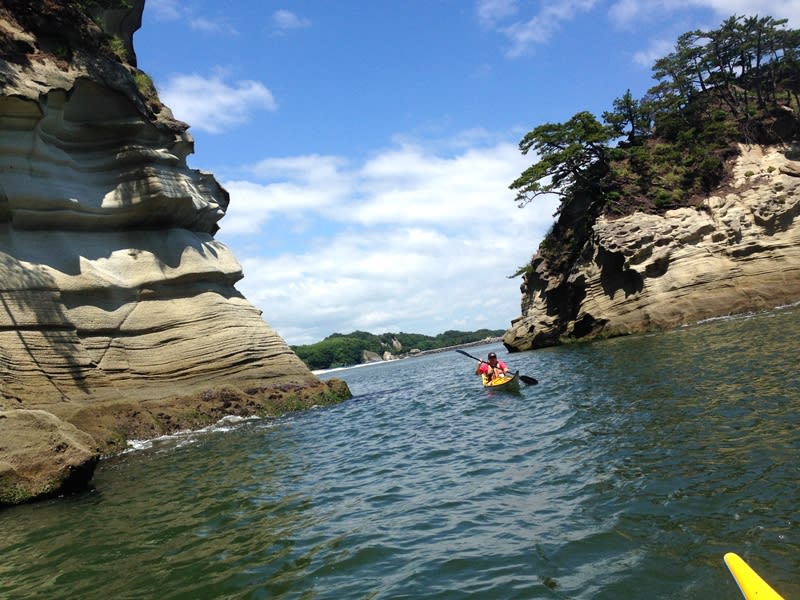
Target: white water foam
[187,437]
[358,366]
[747,315]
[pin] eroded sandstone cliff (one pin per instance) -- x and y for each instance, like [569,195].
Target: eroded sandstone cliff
[118,312]
[739,252]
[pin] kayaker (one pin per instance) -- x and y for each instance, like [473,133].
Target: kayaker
[493,368]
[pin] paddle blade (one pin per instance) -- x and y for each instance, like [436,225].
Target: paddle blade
[528,380]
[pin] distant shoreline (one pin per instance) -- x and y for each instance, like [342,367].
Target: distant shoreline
[482,342]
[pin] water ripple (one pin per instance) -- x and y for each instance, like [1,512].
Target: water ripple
[627,472]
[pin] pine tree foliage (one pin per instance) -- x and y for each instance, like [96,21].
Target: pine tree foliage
[717,89]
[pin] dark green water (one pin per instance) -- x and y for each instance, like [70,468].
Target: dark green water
[628,472]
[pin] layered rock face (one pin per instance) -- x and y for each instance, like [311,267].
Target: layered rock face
[118,312]
[739,253]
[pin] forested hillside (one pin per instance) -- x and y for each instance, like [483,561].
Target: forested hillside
[341,350]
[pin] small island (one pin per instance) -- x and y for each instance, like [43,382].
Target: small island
[677,207]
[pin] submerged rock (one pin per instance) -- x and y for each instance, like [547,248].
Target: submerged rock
[42,455]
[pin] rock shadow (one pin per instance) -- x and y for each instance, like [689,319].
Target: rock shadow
[30,300]
[615,277]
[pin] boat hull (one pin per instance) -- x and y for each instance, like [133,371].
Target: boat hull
[507,384]
[750,583]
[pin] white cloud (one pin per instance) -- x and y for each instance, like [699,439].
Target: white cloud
[624,13]
[312,169]
[656,50]
[211,104]
[523,34]
[286,19]
[165,10]
[418,280]
[207,25]
[491,11]
[418,241]
[629,12]
[174,10]
[411,186]
[257,204]
[788,9]
[294,187]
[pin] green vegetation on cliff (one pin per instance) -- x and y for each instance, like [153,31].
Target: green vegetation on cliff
[736,84]
[87,34]
[340,350]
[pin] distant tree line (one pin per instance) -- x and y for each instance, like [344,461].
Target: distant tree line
[342,350]
[736,84]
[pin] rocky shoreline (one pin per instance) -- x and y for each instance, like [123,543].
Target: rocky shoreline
[412,354]
[415,353]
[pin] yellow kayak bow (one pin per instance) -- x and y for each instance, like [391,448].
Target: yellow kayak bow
[508,383]
[750,583]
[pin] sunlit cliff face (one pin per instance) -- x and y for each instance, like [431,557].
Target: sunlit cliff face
[739,253]
[86,159]
[118,312]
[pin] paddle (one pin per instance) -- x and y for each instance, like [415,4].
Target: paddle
[524,378]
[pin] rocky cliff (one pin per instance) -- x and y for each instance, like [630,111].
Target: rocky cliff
[118,312]
[738,252]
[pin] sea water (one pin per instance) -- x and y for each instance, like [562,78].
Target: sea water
[627,472]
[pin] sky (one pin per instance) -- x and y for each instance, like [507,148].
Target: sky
[368,146]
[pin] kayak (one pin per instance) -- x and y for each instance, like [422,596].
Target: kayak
[509,383]
[750,583]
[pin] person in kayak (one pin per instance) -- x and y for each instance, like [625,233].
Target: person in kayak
[494,368]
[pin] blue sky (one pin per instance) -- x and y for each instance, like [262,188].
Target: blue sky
[368,145]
